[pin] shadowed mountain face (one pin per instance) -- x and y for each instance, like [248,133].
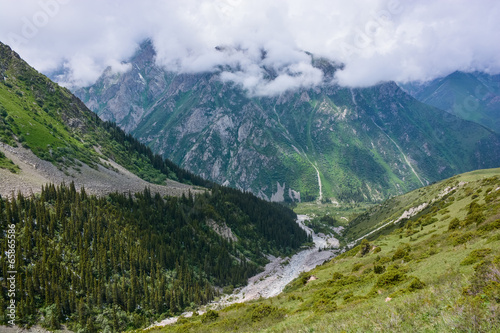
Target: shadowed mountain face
[329,142]
[471,96]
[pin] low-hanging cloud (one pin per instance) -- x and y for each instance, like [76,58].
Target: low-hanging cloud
[378,40]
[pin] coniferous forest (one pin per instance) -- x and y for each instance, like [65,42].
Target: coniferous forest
[121,261]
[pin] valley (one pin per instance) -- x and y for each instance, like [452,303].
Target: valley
[227,166]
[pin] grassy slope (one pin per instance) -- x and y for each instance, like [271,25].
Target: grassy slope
[58,127]
[438,279]
[6,163]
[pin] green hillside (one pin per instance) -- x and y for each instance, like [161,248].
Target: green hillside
[436,271]
[47,119]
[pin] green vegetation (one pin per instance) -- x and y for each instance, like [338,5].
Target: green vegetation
[46,118]
[127,260]
[6,163]
[417,275]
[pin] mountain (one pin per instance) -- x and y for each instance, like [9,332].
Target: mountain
[49,135]
[471,96]
[434,267]
[326,143]
[119,245]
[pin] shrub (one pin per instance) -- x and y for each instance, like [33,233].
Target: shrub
[415,285]
[364,247]
[384,260]
[454,224]
[337,276]
[209,316]
[490,226]
[485,282]
[228,289]
[401,252]
[475,256]
[393,276]
[266,311]
[379,269]
[325,305]
[458,239]
[356,267]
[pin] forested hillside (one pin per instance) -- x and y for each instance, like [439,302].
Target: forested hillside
[118,262]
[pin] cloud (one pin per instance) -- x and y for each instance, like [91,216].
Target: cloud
[377,40]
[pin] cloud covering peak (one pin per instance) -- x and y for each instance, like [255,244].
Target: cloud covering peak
[378,40]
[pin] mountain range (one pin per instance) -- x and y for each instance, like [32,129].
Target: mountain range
[327,143]
[472,96]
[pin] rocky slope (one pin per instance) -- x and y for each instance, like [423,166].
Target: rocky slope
[349,144]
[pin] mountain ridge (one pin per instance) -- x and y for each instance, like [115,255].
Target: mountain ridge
[53,137]
[472,96]
[366,144]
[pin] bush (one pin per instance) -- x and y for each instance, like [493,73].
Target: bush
[356,267]
[458,239]
[490,226]
[364,247]
[228,289]
[379,269]
[384,260]
[393,276]
[454,224]
[415,285]
[325,305]
[266,311]
[209,316]
[485,282]
[475,256]
[401,252]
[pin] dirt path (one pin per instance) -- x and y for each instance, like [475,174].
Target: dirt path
[276,275]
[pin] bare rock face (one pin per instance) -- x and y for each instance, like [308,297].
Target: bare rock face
[366,144]
[222,229]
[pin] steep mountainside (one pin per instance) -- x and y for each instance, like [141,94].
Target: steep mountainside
[435,270]
[49,135]
[471,96]
[327,143]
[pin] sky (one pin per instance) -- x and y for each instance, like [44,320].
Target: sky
[375,40]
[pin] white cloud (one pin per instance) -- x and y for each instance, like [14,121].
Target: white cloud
[377,40]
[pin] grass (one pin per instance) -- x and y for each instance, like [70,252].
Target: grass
[343,212]
[7,164]
[417,277]
[45,118]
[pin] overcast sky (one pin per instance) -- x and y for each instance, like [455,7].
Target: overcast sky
[377,40]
